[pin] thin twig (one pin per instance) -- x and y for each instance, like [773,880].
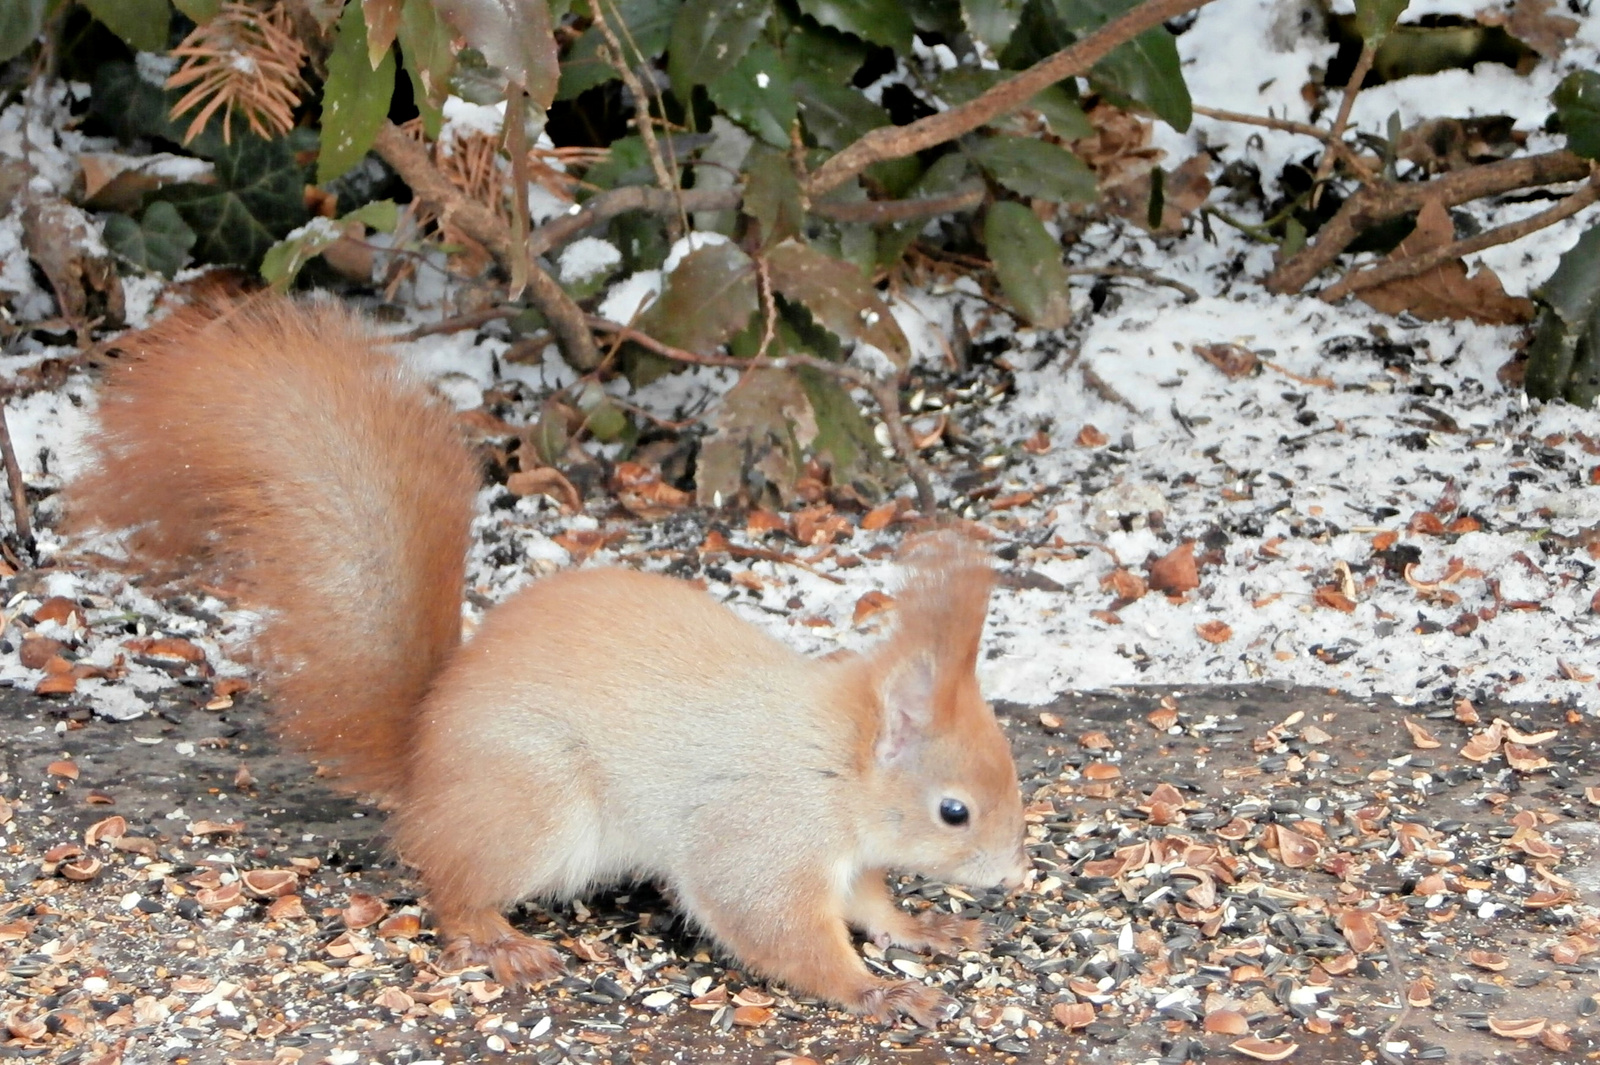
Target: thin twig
[1373,204]
[516,131]
[1352,88]
[896,142]
[885,393]
[1150,276]
[600,209]
[642,119]
[19,488]
[1103,389]
[459,323]
[410,160]
[1422,262]
[1356,164]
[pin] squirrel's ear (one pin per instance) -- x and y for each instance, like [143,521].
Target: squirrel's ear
[907,693]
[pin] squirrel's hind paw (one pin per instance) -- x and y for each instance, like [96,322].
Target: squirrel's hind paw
[514,959]
[927,1006]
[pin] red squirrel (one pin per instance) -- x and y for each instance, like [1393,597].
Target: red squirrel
[602,725]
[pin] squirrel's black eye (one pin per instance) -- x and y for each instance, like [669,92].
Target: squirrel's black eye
[953,812]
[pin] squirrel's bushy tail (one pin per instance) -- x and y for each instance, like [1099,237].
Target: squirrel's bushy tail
[276,441]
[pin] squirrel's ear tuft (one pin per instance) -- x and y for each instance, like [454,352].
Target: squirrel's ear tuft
[941,608]
[907,693]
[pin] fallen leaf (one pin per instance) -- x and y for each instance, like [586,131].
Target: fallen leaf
[1446,291]
[549,482]
[1233,360]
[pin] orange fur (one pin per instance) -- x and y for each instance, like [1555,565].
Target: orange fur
[603,725]
[273,440]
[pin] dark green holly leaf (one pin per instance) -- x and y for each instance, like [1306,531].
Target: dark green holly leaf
[649,27]
[20,23]
[823,55]
[1146,69]
[835,114]
[705,301]
[758,94]
[1577,103]
[1034,167]
[141,23]
[884,22]
[1564,358]
[426,46]
[1027,260]
[355,98]
[772,195]
[709,37]
[257,198]
[516,36]
[839,296]
[1375,18]
[159,241]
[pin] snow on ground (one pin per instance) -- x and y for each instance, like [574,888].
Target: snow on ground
[1356,423]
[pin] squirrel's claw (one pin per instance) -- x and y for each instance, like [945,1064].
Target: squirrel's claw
[514,959]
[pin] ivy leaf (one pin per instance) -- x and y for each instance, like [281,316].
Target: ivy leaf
[836,114]
[20,23]
[758,93]
[1033,167]
[838,296]
[883,22]
[1375,18]
[426,46]
[1027,260]
[516,36]
[991,21]
[772,196]
[706,300]
[159,241]
[1577,103]
[141,23]
[709,37]
[355,98]
[257,198]
[1564,358]
[649,26]
[284,260]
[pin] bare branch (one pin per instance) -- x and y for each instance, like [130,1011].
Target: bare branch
[410,160]
[1352,88]
[1357,165]
[1378,203]
[895,142]
[1413,265]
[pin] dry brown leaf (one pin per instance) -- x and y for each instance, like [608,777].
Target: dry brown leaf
[1532,23]
[1232,360]
[549,482]
[1445,292]
[1175,572]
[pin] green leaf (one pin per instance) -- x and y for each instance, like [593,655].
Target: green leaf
[706,300]
[839,296]
[515,36]
[1375,18]
[649,27]
[284,260]
[1033,167]
[1564,358]
[758,93]
[159,241]
[948,173]
[772,195]
[844,441]
[355,98]
[1027,260]
[381,215]
[1145,69]
[141,23]
[427,49]
[20,24]
[1577,104]
[835,114]
[626,163]
[257,197]
[709,37]
[199,11]
[991,21]
[884,22]
[823,55]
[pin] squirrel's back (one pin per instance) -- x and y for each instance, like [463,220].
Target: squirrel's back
[275,441]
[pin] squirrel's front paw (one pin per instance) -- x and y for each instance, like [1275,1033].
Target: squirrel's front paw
[514,959]
[945,933]
[927,1006]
